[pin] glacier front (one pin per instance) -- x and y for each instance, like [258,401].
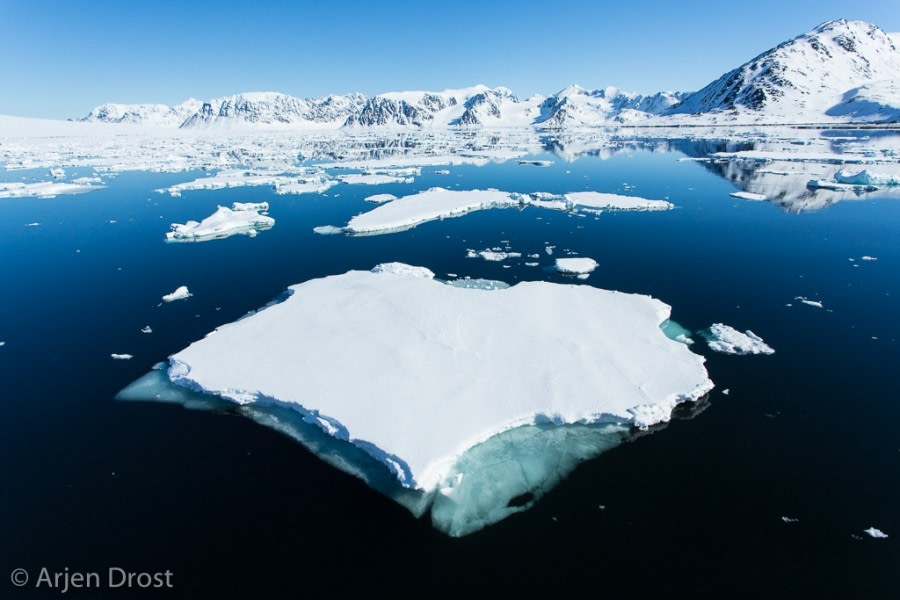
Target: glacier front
[431,383]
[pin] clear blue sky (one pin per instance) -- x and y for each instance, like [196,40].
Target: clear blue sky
[60,59]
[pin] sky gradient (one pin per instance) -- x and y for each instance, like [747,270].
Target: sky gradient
[60,59]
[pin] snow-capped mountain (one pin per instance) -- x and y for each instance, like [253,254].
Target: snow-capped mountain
[467,107]
[840,71]
[806,79]
[577,107]
[155,115]
[274,109]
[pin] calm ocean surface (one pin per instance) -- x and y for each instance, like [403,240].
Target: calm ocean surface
[237,510]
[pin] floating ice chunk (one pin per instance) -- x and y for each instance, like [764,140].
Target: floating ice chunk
[575,265]
[869,258]
[435,203]
[616,201]
[728,340]
[381,198]
[243,218]
[2,344]
[875,533]
[425,386]
[372,179]
[43,189]
[57,173]
[815,303]
[789,520]
[35,224]
[146,329]
[549,250]
[748,196]
[181,293]
[442,172]
[328,230]
[121,356]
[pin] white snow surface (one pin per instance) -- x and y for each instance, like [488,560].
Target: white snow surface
[416,372]
[727,340]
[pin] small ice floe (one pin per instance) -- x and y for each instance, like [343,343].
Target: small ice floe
[875,533]
[146,329]
[35,224]
[789,520]
[2,344]
[121,356]
[576,266]
[805,300]
[532,264]
[615,202]
[328,230]
[727,340]
[57,173]
[181,293]
[43,189]
[537,163]
[372,179]
[380,198]
[726,391]
[549,250]
[748,196]
[241,218]
[868,258]
[442,172]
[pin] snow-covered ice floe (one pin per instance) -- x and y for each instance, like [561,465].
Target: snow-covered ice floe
[435,203]
[615,201]
[576,266]
[242,218]
[180,293]
[44,189]
[439,203]
[727,340]
[121,356]
[372,179]
[875,533]
[380,198]
[467,402]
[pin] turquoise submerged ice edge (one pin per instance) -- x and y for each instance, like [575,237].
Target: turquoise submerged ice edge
[499,477]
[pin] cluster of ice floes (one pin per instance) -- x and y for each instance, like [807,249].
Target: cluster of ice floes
[469,398]
[44,189]
[439,203]
[303,181]
[496,254]
[242,218]
[727,340]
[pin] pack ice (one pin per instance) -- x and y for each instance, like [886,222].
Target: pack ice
[466,398]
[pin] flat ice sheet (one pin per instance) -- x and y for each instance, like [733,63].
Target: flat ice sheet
[416,372]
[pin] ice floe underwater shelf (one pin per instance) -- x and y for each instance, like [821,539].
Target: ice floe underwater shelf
[503,472]
[499,477]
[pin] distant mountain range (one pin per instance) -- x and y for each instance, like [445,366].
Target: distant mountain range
[840,71]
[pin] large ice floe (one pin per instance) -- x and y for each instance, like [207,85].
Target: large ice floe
[439,203]
[241,218]
[728,340]
[468,401]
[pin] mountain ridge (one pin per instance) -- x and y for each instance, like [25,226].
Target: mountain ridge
[840,71]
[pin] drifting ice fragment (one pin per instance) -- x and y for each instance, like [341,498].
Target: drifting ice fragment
[727,340]
[875,533]
[575,265]
[181,293]
[242,218]
[121,356]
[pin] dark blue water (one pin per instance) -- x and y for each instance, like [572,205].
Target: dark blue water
[236,510]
